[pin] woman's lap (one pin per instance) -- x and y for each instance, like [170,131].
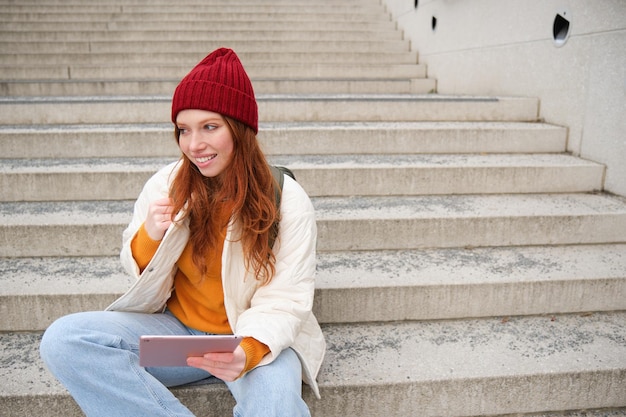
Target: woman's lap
[106,344]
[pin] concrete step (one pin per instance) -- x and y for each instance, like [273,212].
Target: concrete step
[442,174]
[357,15]
[468,367]
[182,7]
[114,47]
[373,27]
[93,141]
[285,66]
[294,108]
[396,275]
[188,3]
[261,86]
[321,175]
[251,59]
[186,35]
[361,286]
[93,228]
[191,2]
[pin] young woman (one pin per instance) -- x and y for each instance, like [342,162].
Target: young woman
[201,246]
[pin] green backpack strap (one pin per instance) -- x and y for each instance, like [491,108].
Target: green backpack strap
[279,173]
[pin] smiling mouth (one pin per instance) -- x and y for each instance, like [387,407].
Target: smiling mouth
[205,159]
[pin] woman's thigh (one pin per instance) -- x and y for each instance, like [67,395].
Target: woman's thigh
[123,329]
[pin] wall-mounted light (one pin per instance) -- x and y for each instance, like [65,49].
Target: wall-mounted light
[561,27]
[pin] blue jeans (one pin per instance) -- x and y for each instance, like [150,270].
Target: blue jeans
[95,356]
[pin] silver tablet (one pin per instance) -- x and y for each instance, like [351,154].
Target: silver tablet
[174,350]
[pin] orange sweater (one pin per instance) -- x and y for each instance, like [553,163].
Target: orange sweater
[198,301]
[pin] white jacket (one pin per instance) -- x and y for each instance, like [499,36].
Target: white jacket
[278,314]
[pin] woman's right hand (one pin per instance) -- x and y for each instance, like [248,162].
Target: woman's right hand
[159,218]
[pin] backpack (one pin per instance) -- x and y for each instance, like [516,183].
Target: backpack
[279,173]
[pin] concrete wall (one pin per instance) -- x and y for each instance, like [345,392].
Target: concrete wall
[507,47]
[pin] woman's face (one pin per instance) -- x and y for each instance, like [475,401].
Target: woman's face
[206,140]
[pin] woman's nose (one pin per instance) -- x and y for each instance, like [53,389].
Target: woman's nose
[196,142]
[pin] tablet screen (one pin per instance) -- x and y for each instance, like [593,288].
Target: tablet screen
[174,350]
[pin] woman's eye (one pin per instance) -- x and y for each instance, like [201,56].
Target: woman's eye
[182,130]
[210,127]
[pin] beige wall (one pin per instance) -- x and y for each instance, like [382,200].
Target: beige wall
[506,47]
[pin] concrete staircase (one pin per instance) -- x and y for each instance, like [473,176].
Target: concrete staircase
[467,265]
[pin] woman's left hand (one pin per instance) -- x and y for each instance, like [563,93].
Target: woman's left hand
[225,366]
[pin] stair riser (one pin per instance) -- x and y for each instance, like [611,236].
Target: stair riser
[299,66]
[372,234]
[192,25]
[337,47]
[196,36]
[260,87]
[158,111]
[140,11]
[475,396]
[293,140]
[42,310]
[208,18]
[449,180]
[29,240]
[68,240]
[254,61]
[414,139]
[97,143]
[65,186]
[208,3]
[449,398]
[74,186]
[359,305]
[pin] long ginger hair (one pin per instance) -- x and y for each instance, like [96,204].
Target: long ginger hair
[243,193]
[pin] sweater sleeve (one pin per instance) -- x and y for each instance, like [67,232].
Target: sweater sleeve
[143,247]
[255,351]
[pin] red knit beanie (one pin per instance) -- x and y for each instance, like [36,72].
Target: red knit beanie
[218,84]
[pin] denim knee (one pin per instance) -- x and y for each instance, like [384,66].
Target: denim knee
[61,342]
[52,347]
